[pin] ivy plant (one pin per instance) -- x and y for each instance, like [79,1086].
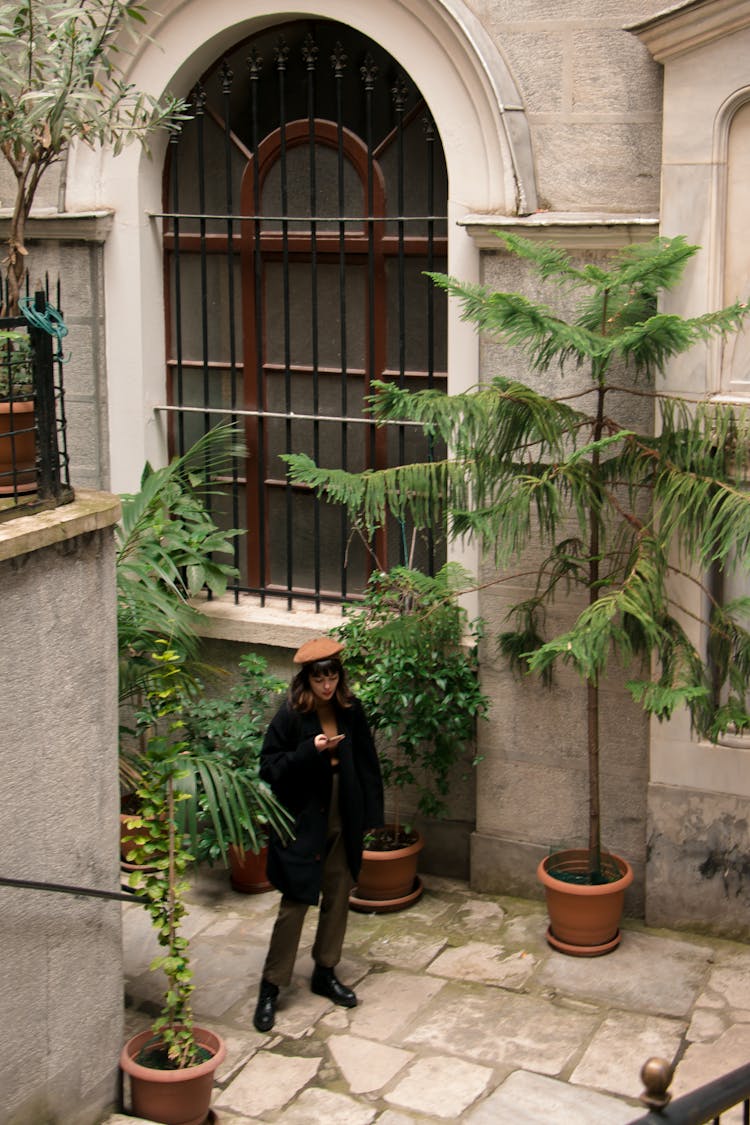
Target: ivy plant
[157,843]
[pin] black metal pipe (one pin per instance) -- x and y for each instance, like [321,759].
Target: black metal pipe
[310,54]
[338,62]
[227,78]
[66,889]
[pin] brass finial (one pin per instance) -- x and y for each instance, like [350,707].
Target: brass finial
[656,1074]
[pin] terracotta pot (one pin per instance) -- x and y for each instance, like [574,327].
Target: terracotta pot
[23,445]
[388,880]
[584,920]
[172,1097]
[247,871]
[126,835]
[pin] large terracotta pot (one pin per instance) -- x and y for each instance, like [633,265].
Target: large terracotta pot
[388,880]
[247,871]
[173,1097]
[22,445]
[584,920]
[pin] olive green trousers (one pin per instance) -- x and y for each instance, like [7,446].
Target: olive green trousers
[332,917]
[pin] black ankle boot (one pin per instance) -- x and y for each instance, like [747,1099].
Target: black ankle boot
[324,983]
[265,1012]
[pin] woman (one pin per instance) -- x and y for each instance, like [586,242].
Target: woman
[319,758]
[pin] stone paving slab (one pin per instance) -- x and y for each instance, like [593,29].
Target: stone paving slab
[704,1062]
[465,1014]
[367,1066]
[485,963]
[268,1082]
[441,1088]
[645,973]
[532,1099]
[613,1059]
[324,1107]
[388,1001]
[489,1025]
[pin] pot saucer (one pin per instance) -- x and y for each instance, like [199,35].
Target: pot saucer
[386,906]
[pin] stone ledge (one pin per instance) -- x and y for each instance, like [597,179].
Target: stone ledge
[690,25]
[90,511]
[595,230]
[76,226]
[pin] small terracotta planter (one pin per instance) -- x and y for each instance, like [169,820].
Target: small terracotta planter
[388,880]
[247,871]
[18,451]
[584,919]
[173,1097]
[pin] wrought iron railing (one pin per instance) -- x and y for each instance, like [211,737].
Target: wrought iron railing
[706,1104]
[34,463]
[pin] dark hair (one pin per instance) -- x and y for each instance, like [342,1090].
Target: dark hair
[300,692]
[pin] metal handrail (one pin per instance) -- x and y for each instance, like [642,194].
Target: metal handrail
[706,1104]
[67,889]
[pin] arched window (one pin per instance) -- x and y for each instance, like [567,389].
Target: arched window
[736,366]
[304,203]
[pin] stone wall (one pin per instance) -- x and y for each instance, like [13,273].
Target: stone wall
[592,97]
[61,985]
[532,791]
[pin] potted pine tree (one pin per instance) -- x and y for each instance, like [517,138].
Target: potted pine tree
[411,657]
[524,464]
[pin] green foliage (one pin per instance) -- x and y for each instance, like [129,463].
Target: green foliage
[157,842]
[229,804]
[62,79]
[16,373]
[525,466]
[166,548]
[408,661]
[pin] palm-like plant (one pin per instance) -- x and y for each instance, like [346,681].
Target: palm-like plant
[524,464]
[229,803]
[168,548]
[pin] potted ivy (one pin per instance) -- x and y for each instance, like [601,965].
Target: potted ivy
[411,657]
[526,465]
[61,80]
[171,1065]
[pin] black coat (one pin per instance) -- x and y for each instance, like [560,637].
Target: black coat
[301,778]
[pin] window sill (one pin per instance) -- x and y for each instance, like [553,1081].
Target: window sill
[250,623]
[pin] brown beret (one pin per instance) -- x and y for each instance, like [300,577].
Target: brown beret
[321,648]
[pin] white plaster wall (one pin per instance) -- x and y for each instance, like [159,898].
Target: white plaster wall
[698,794]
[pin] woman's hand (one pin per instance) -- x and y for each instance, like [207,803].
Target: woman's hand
[327,742]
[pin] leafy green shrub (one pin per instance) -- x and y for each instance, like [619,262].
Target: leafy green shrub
[411,658]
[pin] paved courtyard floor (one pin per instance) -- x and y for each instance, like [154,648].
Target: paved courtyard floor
[465,1014]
